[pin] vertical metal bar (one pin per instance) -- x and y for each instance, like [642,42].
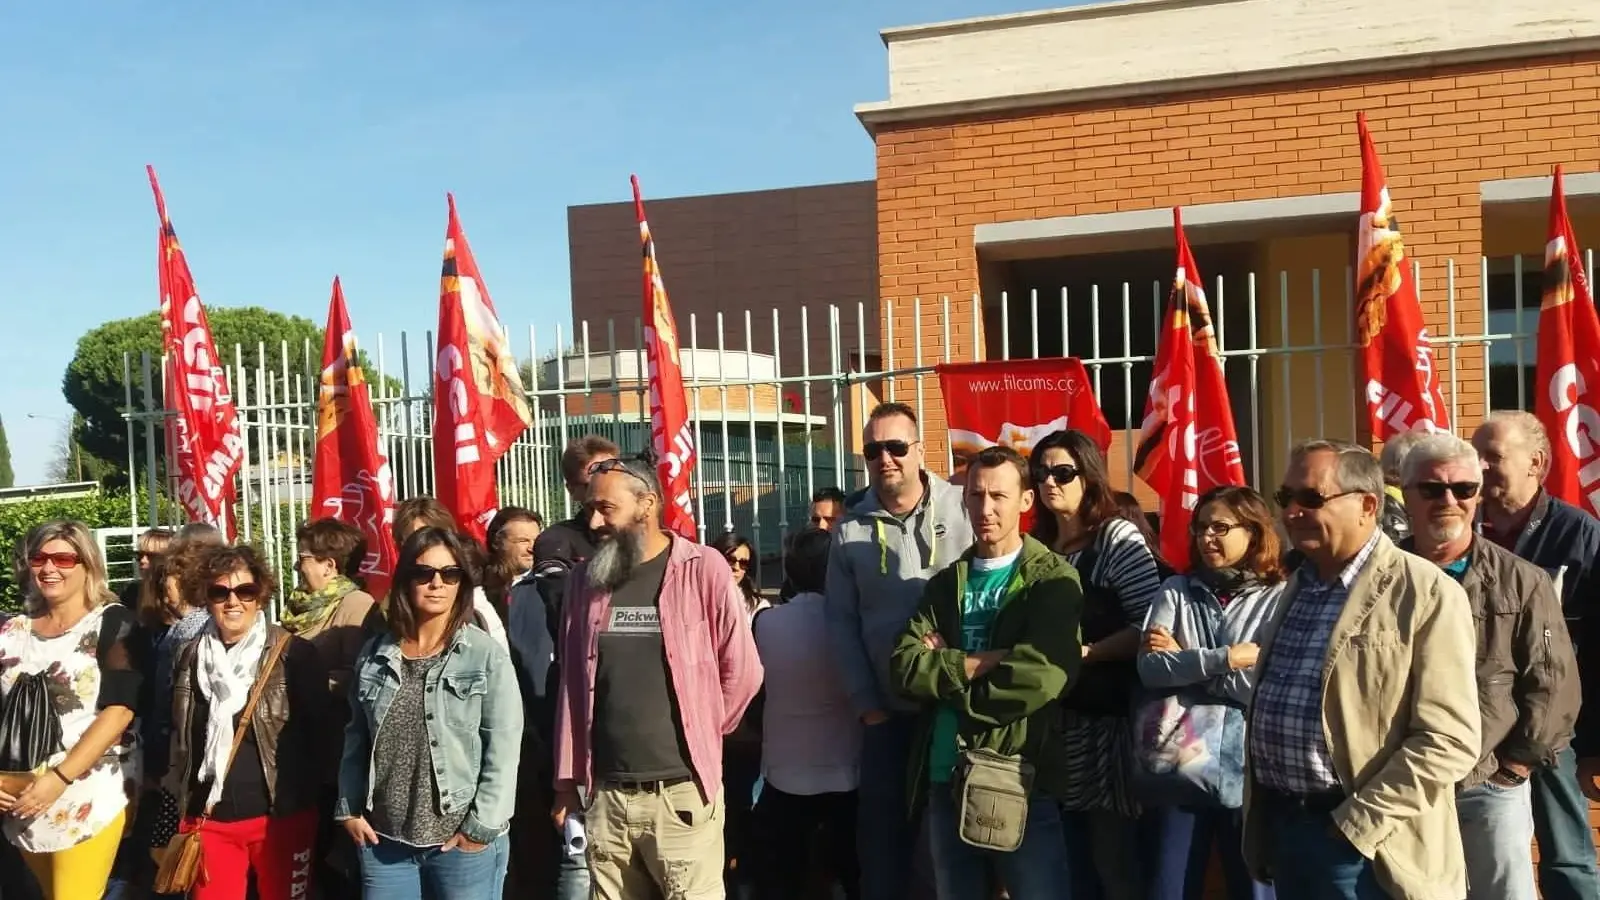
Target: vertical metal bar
[541,474]
[152,480]
[783,467]
[888,344]
[1065,349]
[916,362]
[242,396]
[722,409]
[978,353]
[1255,382]
[616,383]
[1094,346]
[1033,314]
[1450,311]
[1488,344]
[430,471]
[1221,321]
[1127,373]
[755,459]
[949,448]
[641,364]
[1316,338]
[1522,387]
[128,414]
[561,413]
[1350,342]
[805,388]
[1005,326]
[837,351]
[1283,323]
[861,355]
[699,428]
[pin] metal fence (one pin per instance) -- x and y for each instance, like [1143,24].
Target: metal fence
[1286,341]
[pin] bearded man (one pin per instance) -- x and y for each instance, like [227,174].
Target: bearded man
[1527,675]
[657,665]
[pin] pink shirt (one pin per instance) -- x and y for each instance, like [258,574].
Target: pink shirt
[711,656]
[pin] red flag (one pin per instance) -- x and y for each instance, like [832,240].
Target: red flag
[351,480]
[479,406]
[1187,443]
[1399,379]
[672,436]
[1568,369]
[205,442]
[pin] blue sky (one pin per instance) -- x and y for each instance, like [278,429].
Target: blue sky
[296,140]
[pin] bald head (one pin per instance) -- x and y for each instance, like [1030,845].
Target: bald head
[1516,455]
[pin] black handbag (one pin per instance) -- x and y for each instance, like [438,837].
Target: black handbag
[30,731]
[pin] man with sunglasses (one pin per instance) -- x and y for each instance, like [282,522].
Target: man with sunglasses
[1365,714]
[657,665]
[1527,675]
[910,525]
[1518,514]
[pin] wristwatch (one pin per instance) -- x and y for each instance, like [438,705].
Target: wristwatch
[1511,778]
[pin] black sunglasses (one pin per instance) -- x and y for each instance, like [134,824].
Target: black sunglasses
[1435,490]
[614,465]
[420,575]
[897,449]
[1306,498]
[1062,475]
[249,592]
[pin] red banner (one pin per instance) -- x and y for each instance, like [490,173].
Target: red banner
[1568,369]
[1016,402]
[479,405]
[351,480]
[204,440]
[1187,444]
[1398,375]
[672,437]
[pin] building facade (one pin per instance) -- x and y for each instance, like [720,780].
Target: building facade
[1027,165]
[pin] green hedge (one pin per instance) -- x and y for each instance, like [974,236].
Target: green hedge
[102,511]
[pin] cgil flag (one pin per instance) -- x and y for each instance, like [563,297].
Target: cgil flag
[1567,374]
[350,478]
[204,442]
[672,437]
[1187,442]
[1398,375]
[479,405]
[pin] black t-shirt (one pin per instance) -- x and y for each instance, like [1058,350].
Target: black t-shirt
[244,792]
[638,729]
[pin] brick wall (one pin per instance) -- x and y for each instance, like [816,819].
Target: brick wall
[1439,132]
[758,251]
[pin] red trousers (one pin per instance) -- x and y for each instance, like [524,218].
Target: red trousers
[278,850]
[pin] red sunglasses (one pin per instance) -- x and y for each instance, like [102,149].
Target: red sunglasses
[59,560]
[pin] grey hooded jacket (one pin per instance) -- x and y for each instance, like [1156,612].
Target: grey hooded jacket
[877,569]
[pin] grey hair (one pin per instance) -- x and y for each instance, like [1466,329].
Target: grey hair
[1393,457]
[1524,422]
[1356,470]
[1439,447]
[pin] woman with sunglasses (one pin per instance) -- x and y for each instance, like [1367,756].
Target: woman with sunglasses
[1205,630]
[1078,517]
[148,551]
[67,671]
[254,809]
[428,780]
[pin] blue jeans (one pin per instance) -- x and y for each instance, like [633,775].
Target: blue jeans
[1037,870]
[572,877]
[395,871]
[886,836]
[1184,843]
[1561,824]
[1496,831]
[1311,862]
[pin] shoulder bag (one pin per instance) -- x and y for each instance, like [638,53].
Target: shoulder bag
[992,791]
[183,865]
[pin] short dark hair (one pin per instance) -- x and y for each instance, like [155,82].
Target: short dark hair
[402,613]
[1001,455]
[333,539]
[581,451]
[828,495]
[885,410]
[221,560]
[806,562]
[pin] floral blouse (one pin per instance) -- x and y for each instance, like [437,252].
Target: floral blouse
[81,683]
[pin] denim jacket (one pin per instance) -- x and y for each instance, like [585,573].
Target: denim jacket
[474,715]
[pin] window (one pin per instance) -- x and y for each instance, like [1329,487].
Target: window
[1513,312]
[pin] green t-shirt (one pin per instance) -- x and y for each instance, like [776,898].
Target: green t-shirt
[987,580]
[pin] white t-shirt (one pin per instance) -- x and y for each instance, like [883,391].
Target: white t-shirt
[811,737]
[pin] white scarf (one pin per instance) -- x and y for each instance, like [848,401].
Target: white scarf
[225,675]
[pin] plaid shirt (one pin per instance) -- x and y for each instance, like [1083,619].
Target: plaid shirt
[1288,749]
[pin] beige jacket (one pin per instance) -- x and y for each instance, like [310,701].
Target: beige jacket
[1400,713]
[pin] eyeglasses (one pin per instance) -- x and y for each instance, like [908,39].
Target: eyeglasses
[1215,529]
[735,562]
[1306,498]
[873,450]
[151,556]
[248,592]
[1435,490]
[1062,475]
[615,465]
[66,560]
[421,575]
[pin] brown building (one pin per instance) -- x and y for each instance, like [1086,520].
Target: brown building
[785,250]
[1042,152]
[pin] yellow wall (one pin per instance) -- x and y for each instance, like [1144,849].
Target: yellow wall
[1302,411]
[1509,230]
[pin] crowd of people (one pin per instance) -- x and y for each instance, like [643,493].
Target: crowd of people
[1372,691]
